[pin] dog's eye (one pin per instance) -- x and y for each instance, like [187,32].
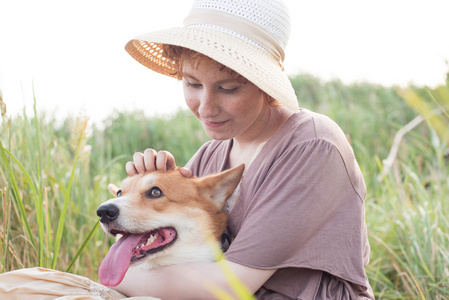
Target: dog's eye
[154,193]
[119,193]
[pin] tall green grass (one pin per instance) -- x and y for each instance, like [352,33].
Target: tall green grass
[53,177]
[414,247]
[43,224]
[407,205]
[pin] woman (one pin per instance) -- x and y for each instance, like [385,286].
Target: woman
[296,222]
[296,227]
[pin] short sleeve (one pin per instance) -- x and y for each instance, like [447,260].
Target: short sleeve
[301,210]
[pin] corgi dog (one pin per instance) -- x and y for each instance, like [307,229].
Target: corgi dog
[163,218]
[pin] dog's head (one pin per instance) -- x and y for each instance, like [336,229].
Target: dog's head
[163,218]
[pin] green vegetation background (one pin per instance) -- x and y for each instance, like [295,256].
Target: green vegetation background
[53,177]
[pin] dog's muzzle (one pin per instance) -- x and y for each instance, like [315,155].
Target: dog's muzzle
[108,213]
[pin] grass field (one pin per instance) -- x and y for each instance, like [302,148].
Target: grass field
[53,177]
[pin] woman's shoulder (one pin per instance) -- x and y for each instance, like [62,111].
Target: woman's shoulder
[308,137]
[309,127]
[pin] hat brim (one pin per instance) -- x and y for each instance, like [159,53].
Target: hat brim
[248,60]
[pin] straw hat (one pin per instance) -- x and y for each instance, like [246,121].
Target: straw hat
[248,36]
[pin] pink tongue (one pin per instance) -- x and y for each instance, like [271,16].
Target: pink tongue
[116,263]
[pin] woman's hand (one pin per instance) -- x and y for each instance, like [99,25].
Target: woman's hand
[150,161]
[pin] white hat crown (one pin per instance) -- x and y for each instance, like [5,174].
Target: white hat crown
[263,23]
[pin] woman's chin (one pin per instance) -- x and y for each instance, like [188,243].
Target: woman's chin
[218,136]
[217,133]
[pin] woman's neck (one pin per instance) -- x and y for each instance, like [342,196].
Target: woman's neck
[243,148]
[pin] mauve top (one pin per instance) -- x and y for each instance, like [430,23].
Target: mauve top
[300,210]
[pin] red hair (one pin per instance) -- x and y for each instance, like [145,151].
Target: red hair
[181,54]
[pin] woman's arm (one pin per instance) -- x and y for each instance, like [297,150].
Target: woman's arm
[191,280]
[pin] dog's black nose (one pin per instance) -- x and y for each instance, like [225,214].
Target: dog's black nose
[108,213]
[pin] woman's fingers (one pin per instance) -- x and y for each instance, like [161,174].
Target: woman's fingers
[130,169]
[149,156]
[165,161]
[139,162]
[186,172]
[150,161]
[171,164]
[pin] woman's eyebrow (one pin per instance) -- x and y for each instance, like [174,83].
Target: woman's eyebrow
[221,81]
[228,80]
[185,75]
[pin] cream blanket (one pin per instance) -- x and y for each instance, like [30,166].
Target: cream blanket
[46,284]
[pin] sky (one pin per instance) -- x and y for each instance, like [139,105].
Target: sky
[71,53]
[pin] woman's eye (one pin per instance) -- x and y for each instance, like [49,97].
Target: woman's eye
[228,89]
[154,193]
[194,85]
[119,193]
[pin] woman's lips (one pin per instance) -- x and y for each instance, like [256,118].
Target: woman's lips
[214,124]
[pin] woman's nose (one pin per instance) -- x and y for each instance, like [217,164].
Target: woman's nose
[209,105]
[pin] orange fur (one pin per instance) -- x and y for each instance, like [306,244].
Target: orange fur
[193,206]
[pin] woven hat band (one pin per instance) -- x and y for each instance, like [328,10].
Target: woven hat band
[241,26]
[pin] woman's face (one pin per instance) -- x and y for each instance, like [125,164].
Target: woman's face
[226,108]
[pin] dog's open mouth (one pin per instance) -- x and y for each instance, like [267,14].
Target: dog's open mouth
[131,248]
[150,242]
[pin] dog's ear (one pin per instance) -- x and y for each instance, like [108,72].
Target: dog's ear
[113,189]
[219,187]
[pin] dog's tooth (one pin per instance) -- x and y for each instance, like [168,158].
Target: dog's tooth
[151,239]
